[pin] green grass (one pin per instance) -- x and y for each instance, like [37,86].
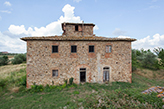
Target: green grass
[112,95]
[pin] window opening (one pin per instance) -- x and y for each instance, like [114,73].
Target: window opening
[76,28]
[108,48]
[73,48]
[91,48]
[55,73]
[54,49]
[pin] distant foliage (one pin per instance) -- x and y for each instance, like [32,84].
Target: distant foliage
[160,53]
[20,58]
[4,60]
[145,59]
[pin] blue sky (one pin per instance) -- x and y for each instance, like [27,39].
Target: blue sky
[140,19]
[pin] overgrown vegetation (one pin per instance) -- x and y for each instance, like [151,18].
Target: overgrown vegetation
[147,59]
[20,58]
[4,60]
[88,95]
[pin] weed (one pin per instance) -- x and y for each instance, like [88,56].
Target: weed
[76,92]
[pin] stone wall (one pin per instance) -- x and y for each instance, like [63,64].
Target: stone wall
[41,61]
[87,30]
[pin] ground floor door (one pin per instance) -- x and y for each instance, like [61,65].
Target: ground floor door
[106,74]
[82,74]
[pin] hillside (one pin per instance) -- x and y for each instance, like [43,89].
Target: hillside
[112,95]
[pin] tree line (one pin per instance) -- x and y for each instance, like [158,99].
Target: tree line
[19,58]
[148,59]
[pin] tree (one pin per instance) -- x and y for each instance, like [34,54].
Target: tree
[4,60]
[148,60]
[20,58]
[160,53]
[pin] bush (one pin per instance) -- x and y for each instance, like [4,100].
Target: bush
[4,60]
[71,81]
[2,83]
[22,81]
[147,59]
[20,58]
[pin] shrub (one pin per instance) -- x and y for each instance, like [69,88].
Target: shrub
[2,83]
[22,81]
[20,58]
[71,81]
[36,88]
[4,60]
[65,81]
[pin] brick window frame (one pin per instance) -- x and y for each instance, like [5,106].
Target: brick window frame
[55,69]
[108,54]
[91,54]
[73,54]
[55,54]
[108,48]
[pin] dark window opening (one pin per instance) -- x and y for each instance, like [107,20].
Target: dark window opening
[82,74]
[54,49]
[76,28]
[73,48]
[91,48]
[106,68]
[55,73]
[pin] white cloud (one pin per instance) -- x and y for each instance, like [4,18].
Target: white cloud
[5,11]
[53,28]
[0,17]
[118,32]
[95,27]
[7,3]
[12,45]
[10,40]
[77,1]
[149,43]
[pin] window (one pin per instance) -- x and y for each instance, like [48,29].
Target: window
[76,28]
[55,73]
[108,48]
[54,49]
[73,49]
[106,74]
[91,48]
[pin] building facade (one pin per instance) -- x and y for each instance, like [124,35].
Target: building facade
[78,53]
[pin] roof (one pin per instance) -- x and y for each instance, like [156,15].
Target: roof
[75,38]
[69,23]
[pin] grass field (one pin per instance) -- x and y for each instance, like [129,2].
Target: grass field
[112,95]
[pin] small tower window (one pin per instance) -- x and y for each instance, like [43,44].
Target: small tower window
[76,28]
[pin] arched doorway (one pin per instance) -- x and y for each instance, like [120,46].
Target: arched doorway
[106,74]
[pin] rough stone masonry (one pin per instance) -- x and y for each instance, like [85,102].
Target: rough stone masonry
[78,53]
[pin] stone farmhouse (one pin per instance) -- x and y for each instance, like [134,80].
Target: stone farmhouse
[78,53]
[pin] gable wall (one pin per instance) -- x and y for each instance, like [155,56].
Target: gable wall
[41,61]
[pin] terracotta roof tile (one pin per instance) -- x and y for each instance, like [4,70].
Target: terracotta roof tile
[75,38]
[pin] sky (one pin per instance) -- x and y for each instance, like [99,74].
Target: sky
[139,19]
